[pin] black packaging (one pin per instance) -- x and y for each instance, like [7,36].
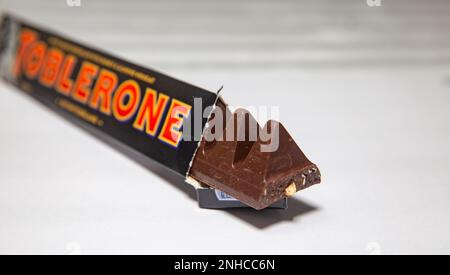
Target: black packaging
[156,116]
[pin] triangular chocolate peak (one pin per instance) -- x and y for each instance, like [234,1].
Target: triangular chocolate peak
[247,132]
[287,157]
[234,136]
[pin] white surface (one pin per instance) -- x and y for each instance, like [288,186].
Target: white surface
[378,127]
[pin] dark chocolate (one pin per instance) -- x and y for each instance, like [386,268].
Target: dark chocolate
[242,170]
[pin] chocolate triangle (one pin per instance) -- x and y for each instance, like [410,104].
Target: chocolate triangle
[256,166]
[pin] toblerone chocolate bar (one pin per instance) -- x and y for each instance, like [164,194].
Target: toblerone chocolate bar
[156,116]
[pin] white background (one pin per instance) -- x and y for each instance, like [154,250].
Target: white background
[364,90]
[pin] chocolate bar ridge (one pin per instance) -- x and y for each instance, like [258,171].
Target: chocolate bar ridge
[241,168]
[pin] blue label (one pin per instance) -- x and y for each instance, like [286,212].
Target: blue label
[221,196]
